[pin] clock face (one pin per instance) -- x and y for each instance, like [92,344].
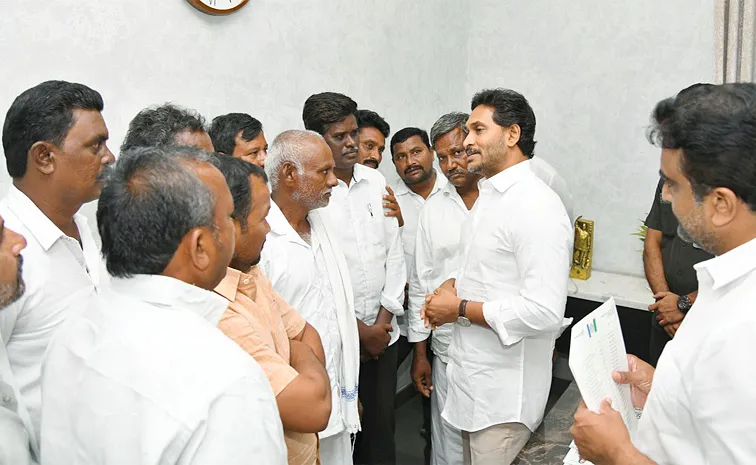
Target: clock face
[218,7]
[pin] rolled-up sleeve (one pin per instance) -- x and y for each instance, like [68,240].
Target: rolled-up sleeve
[542,242]
[392,297]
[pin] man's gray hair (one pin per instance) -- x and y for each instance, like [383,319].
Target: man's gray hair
[288,147]
[448,123]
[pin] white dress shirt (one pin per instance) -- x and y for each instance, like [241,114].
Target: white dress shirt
[371,243]
[516,260]
[144,377]
[297,271]
[411,204]
[16,447]
[436,258]
[702,403]
[549,175]
[60,275]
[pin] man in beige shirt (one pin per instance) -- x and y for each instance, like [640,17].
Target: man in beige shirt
[287,348]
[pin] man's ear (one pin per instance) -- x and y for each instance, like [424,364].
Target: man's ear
[200,245]
[725,205]
[289,173]
[41,157]
[513,135]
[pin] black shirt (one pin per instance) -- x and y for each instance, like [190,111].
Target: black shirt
[678,256]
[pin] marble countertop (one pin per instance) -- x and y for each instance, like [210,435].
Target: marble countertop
[628,291]
[551,441]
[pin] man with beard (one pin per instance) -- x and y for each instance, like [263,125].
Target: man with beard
[15,427]
[373,249]
[241,136]
[262,323]
[699,403]
[307,267]
[419,181]
[55,143]
[438,238]
[669,265]
[510,290]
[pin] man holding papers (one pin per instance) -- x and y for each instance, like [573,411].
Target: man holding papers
[700,403]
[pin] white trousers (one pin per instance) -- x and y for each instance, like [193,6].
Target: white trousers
[446,440]
[336,449]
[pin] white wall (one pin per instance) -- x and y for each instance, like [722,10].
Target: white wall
[593,71]
[265,60]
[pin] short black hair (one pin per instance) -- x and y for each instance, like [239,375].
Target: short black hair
[327,108]
[156,126]
[153,198]
[406,133]
[237,172]
[224,128]
[715,126]
[43,113]
[371,119]
[510,108]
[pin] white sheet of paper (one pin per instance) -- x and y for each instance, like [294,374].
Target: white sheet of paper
[596,350]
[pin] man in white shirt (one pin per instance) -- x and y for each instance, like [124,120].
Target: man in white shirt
[54,139]
[16,447]
[373,249]
[309,271]
[374,130]
[143,376]
[437,256]
[699,403]
[511,287]
[418,181]
[548,174]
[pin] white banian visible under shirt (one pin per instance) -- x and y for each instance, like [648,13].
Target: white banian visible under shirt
[702,405]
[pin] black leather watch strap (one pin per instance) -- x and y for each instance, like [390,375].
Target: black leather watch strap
[463,308]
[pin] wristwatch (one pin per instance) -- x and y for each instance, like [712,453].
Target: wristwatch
[462,319]
[683,304]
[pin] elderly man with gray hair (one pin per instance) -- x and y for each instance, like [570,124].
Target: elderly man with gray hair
[303,260]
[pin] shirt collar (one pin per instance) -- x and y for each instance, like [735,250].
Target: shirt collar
[360,172]
[167,292]
[731,266]
[509,177]
[441,182]
[41,227]
[280,226]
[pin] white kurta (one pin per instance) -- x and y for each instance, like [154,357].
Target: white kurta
[144,377]
[702,403]
[61,276]
[516,260]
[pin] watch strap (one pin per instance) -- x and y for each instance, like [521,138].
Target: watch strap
[463,308]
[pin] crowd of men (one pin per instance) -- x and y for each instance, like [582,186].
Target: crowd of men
[250,304]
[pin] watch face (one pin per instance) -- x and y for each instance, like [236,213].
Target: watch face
[222,4]
[464,322]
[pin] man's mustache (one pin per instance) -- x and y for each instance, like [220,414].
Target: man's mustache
[107,170]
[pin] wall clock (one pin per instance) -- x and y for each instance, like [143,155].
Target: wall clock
[217,7]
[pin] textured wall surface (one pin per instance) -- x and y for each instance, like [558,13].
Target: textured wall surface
[592,70]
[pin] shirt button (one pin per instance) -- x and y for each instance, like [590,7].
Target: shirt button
[679,273]
[6,400]
[246,281]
